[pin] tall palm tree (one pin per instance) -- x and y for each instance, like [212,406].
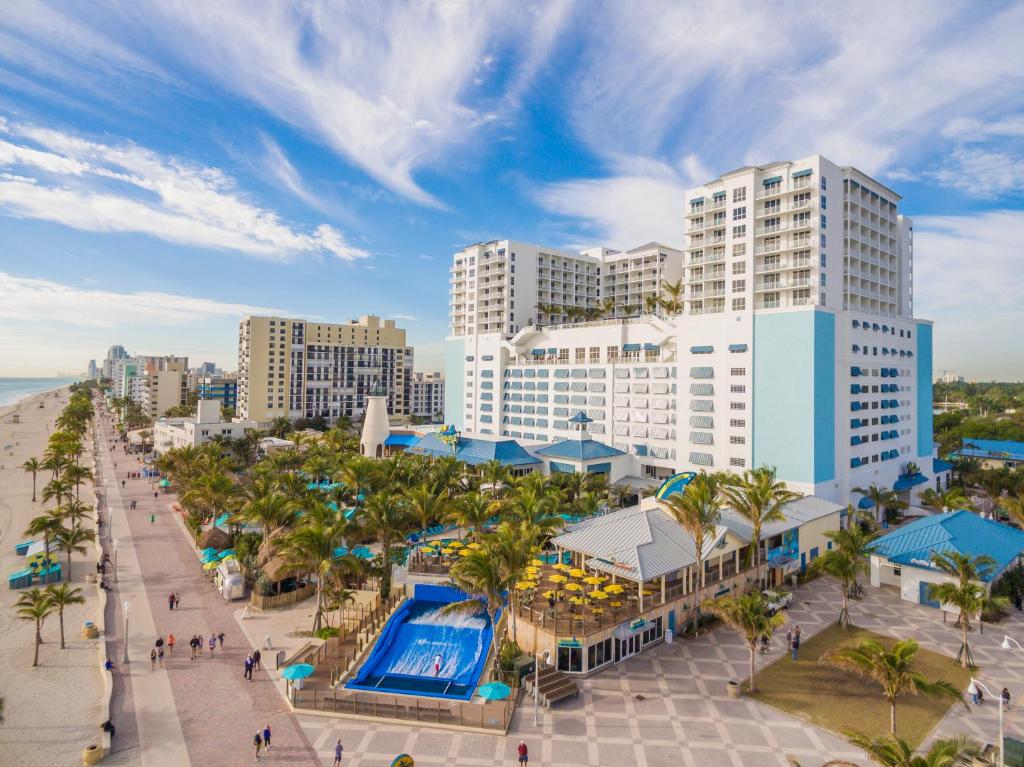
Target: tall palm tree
[750,617]
[427,506]
[844,568]
[495,474]
[758,497]
[891,751]
[62,596]
[967,469]
[891,670]
[673,301]
[515,544]
[75,512]
[484,577]
[965,594]
[33,467]
[280,427]
[70,540]
[947,500]
[76,475]
[35,605]
[211,494]
[269,511]
[57,489]
[536,509]
[699,511]
[472,511]
[310,548]
[388,521]
[46,525]
[993,482]
[882,498]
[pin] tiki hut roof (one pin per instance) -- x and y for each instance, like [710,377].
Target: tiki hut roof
[269,547]
[214,538]
[278,569]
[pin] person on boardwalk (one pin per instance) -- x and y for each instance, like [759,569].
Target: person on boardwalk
[524,752]
[338,750]
[170,645]
[256,659]
[266,735]
[192,646]
[160,655]
[177,601]
[220,638]
[213,643]
[248,667]
[152,519]
[199,645]
[1004,696]
[258,742]
[170,601]
[152,658]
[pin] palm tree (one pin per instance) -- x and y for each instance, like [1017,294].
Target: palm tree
[46,525]
[270,511]
[758,497]
[881,498]
[608,307]
[967,468]
[891,751]
[673,302]
[70,540]
[650,304]
[484,577]
[280,427]
[534,508]
[844,567]
[966,595]
[993,482]
[75,511]
[427,506]
[891,670]
[515,544]
[749,616]
[76,475]
[35,605]
[950,499]
[56,490]
[698,510]
[63,596]
[472,511]
[388,521]
[310,548]
[495,474]
[33,467]
[212,493]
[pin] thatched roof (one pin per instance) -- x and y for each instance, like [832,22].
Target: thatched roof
[278,569]
[269,547]
[215,538]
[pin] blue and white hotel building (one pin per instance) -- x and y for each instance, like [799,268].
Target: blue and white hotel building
[794,344]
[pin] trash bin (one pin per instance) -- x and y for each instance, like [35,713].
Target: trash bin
[732,689]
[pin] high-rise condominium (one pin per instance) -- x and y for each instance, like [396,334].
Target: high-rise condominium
[300,369]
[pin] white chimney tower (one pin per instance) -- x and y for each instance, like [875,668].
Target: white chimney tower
[376,424]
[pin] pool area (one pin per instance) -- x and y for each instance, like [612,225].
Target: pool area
[417,637]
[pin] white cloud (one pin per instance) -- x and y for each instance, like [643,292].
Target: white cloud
[106,188]
[38,300]
[406,317]
[983,172]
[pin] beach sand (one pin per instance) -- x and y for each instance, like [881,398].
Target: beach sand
[52,712]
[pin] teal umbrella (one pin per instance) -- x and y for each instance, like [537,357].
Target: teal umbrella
[226,553]
[297,671]
[494,691]
[209,550]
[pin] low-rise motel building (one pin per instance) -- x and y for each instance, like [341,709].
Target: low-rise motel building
[624,581]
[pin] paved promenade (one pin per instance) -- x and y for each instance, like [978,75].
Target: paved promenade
[197,712]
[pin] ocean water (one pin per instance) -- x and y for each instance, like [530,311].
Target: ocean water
[14,389]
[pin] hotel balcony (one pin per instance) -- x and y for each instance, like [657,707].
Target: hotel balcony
[785,226]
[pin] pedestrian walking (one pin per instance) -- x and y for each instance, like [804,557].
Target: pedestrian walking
[152,658]
[248,667]
[220,638]
[213,643]
[199,644]
[152,519]
[258,742]
[122,481]
[338,749]
[177,601]
[170,644]
[192,647]
[1018,601]
[170,601]
[156,495]
[794,647]
[524,752]
[266,735]
[256,660]
[1004,696]
[160,655]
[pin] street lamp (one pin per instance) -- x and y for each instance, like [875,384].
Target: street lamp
[972,688]
[115,560]
[536,685]
[1006,645]
[127,607]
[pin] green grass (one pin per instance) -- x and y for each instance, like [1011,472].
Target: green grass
[838,700]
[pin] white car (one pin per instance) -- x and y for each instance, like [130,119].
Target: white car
[777,600]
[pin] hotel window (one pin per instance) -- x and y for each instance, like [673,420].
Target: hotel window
[740,462]
[738,286]
[824,222]
[581,355]
[738,388]
[738,371]
[739,304]
[737,440]
[739,267]
[824,202]
[739,194]
[823,241]
[737,405]
[595,353]
[739,249]
[737,423]
[739,231]
[739,214]
[824,183]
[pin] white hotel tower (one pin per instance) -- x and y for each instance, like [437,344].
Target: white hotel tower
[794,344]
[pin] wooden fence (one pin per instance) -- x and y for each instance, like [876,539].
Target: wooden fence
[281,600]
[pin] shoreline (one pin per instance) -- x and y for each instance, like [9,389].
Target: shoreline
[5,406]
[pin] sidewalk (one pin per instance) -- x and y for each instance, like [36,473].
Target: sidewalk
[190,712]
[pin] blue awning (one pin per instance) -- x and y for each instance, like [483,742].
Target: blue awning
[905,483]
[552,350]
[865,503]
[718,195]
[701,349]
[401,440]
[488,358]
[537,352]
[772,180]
[939,466]
[651,347]
[737,347]
[802,173]
[856,323]
[469,359]
[631,347]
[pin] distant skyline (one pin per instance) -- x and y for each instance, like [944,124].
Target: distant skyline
[166,167]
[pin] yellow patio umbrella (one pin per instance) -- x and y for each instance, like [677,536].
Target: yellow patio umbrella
[598,594]
[474,545]
[646,592]
[557,578]
[428,549]
[614,588]
[594,580]
[210,566]
[536,563]
[561,566]
[573,587]
[464,552]
[548,595]
[577,573]
[597,610]
[576,600]
[447,552]
[455,545]
[525,585]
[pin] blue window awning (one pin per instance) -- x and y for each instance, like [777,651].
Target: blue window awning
[631,347]
[875,326]
[907,482]
[856,323]
[939,466]
[718,195]
[737,347]
[856,348]
[488,358]
[802,173]
[865,503]
[537,352]
[772,180]
[854,388]
[651,347]
[469,359]
[701,349]
[855,371]
[885,372]
[552,350]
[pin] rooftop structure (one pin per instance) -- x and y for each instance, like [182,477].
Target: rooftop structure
[992,452]
[475,451]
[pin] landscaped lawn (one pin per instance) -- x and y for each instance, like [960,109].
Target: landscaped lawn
[837,700]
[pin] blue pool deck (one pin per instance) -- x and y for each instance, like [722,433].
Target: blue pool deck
[416,637]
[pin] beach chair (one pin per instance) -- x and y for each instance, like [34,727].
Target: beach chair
[52,575]
[21,549]
[19,580]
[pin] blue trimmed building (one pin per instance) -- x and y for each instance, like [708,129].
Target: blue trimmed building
[993,453]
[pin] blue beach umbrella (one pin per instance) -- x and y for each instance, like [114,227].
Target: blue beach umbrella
[494,691]
[226,553]
[209,550]
[297,671]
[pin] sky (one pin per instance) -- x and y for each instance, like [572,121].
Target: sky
[168,167]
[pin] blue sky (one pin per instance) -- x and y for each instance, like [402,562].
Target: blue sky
[168,167]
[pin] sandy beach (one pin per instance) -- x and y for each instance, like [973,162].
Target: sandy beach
[52,712]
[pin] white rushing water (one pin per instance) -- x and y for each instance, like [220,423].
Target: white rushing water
[458,639]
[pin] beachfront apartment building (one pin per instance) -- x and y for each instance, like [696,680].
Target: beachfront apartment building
[224,389]
[301,369]
[426,394]
[171,433]
[794,346]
